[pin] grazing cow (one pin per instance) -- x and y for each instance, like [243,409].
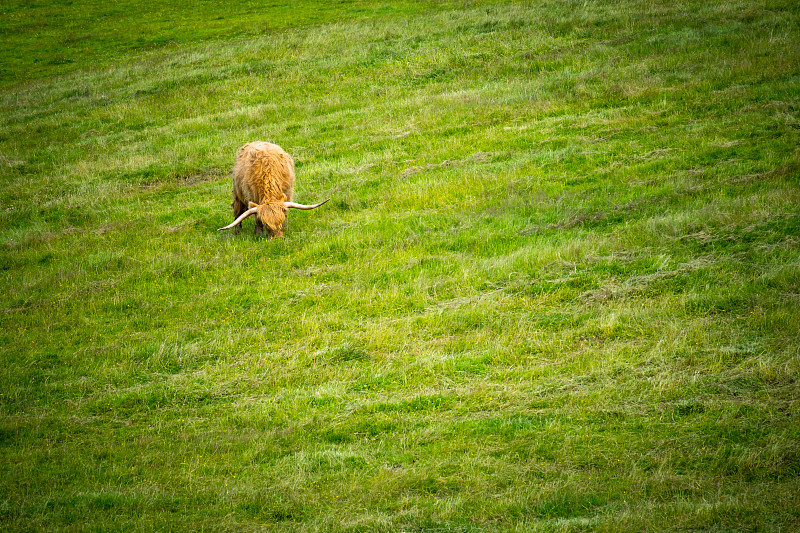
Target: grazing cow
[263,184]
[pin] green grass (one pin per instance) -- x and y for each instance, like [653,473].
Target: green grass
[51,38]
[557,287]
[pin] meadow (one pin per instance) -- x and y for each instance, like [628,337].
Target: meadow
[556,288]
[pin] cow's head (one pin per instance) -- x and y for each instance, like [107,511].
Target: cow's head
[272,214]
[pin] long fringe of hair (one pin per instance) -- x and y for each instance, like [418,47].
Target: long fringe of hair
[273,214]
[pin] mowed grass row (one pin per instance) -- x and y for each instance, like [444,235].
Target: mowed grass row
[556,287]
[55,38]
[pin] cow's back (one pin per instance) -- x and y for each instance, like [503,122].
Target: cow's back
[263,172]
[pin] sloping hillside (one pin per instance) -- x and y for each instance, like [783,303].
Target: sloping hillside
[557,287]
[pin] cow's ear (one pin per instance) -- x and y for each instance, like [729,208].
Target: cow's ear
[252,204]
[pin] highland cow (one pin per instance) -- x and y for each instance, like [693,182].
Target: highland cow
[263,185]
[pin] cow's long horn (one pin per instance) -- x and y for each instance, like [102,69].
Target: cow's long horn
[243,216]
[301,206]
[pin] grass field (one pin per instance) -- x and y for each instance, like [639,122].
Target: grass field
[557,287]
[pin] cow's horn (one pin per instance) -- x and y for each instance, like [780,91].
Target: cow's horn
[301,206]
[243,216]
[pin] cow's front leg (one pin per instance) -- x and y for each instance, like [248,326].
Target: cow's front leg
[238,209]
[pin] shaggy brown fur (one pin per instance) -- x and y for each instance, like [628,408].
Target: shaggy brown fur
[263,175]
